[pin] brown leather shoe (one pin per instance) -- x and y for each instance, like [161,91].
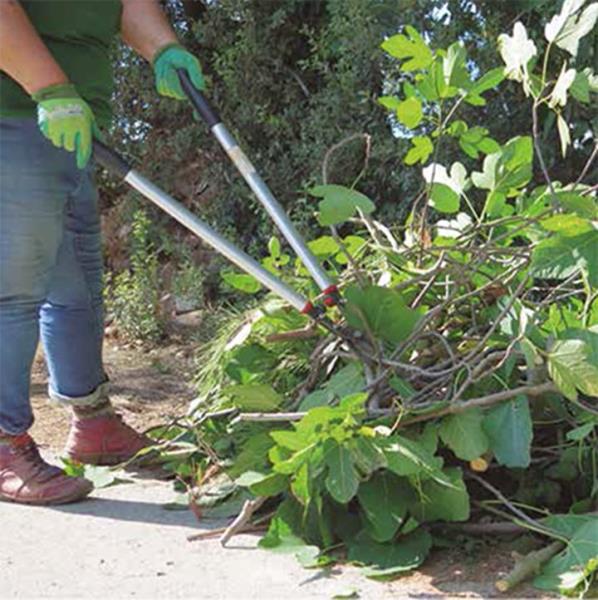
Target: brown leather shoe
[103,440]
[26,478]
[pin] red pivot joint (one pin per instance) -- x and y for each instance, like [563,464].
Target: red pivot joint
[331,296]
[311,311]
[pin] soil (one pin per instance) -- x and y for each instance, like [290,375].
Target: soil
[149,386]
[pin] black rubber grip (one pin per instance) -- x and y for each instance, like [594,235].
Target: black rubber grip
[110,160]
[200,104]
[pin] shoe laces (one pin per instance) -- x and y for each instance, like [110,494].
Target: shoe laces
[29,452]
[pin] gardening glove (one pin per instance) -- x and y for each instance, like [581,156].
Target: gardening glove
[166,62]
[66,120]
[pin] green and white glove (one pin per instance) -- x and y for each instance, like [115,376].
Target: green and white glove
[166,62]
[66,120]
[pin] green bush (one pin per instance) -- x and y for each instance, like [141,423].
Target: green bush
[133,296]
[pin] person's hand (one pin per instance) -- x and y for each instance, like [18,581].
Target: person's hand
[66,120]
[166,62]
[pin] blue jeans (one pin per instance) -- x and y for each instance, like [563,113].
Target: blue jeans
[50,274]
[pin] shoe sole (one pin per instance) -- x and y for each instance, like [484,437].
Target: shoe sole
[74,497]
[106,460]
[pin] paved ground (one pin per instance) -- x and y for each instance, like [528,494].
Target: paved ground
[122,543]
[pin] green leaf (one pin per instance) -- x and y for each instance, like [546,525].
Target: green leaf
[347,381]
[385,560]
[444,199]
[324,247]
[248,362]
[514,167]
[315,399]
[441,503]
[282,534]
[568,569]
[274,247]
[342,481]
[366,455]
[568,27]
[487,81]
[567,225]
[413,48]
[254,396]
[242,282]
[409,112]
[509,430]
[292,440]
[581,432]
[566,525]
[103,477]
[382,311]
[569,368]
[580,88]
[263,485]
[302,484]
[559,257]
[340,203]
[506,171]
[407,457]
[384,500]
[253,455]
[445,188]
[455,71]
[583,206]
[390,102]
[464,435]
[421,149]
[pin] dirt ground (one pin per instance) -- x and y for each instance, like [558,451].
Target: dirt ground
[149,386]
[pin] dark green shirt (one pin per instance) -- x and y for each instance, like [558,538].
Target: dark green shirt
[78,34]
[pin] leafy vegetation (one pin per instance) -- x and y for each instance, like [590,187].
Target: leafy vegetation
[464,376]
[133,296]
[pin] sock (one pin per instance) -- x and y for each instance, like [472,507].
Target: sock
[101,409]
[7,439]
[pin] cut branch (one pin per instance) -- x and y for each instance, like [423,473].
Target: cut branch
[240,523]
[527,566]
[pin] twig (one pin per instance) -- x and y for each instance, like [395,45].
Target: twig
[587,166]
[310,331]
[536,137]
[528,565]
[205,535]
[483,401]
[269,417]
[529,522]
[315,360]
[493,528]
[242,519]
[338,146]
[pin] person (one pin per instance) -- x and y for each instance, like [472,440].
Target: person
[55,88]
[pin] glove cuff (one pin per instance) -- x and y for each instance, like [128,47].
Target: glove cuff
[163,49]
[57,91]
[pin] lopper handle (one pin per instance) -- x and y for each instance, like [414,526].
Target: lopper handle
[198,100]
[259,188]
[110,160]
